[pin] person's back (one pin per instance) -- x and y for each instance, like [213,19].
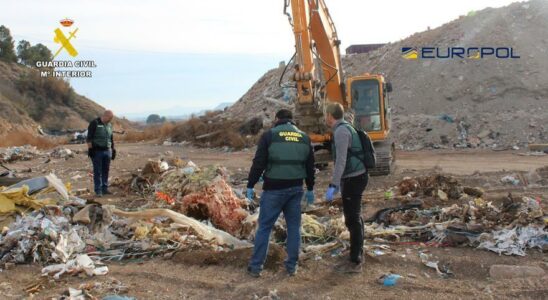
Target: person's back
[284,158]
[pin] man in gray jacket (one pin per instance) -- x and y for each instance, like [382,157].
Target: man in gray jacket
[350,176]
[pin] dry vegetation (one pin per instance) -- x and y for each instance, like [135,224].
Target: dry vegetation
[149,133]
[211,131]
[204,131]
[24,138]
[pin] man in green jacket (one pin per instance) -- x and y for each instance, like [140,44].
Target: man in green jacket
[101,150]
[285,159]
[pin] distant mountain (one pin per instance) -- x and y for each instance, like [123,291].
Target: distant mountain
[223,105]
[175,113]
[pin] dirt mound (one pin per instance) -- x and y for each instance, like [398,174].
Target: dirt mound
[262,100]
[215,129]
[29,102]
[443,103]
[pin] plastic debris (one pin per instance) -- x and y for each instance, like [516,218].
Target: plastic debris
[389,279]
[216,202]
[206,232]
[62,153]
[510,179]
[514,241]
[82,263]
[13,154]
[442,271]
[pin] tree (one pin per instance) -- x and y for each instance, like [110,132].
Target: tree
[7,48]
[38,52]
[23,51]
[155,119]
[29,55]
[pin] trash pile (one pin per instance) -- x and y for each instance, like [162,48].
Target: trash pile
[439,210]
[67,235]
[200,193]
[12,154]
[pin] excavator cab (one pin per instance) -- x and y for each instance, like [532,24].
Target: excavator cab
[368,101]
[367,97]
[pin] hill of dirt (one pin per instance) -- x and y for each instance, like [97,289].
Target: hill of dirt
[29,101]
[443,103]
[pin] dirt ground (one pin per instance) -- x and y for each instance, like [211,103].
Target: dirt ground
[208,275]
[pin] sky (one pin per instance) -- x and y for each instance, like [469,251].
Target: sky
[181,56]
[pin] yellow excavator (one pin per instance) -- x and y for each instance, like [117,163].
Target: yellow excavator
[318,76]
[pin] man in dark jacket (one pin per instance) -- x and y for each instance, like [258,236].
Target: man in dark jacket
[284,158]
[350,176]
[101,150]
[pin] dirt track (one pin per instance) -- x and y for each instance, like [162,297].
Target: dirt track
[210,276]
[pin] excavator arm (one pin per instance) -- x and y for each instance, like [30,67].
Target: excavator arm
[317,47]
[319,80]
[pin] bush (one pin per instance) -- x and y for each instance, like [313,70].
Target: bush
[150,133]
[45,91]
[18,138]
[207,131]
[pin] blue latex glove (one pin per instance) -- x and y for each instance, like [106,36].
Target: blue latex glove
[330,194]
[250,193]
[309,197]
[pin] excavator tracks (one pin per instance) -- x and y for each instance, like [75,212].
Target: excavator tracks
[385,154]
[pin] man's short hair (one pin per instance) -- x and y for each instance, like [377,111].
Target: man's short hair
[336,110]
[284,114]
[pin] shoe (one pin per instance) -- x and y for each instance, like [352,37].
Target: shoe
[292,273]
[98,195]
[349,267]
[252,273]
[107,192]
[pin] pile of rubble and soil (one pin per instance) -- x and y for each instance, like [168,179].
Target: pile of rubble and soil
[450,103]
[214,130]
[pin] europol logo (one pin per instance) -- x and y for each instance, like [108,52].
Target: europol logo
[61,38]
[458,52]
[409,53]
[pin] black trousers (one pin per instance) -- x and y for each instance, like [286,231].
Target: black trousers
[352,189]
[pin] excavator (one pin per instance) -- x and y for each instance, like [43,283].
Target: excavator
[318,77]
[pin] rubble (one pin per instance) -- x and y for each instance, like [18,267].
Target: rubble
[514,241]
[68,236]
[510,227]
[13,154]
[62,153]
[82,263]
[443,187]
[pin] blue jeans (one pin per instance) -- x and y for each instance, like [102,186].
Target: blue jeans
[273,202]
[101,165]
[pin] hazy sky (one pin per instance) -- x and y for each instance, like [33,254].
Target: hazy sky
[174,55]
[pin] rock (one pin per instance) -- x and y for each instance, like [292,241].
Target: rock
[510,271]
[442,195]
[474,141]
[473,191]
[484,133]
[444,139]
